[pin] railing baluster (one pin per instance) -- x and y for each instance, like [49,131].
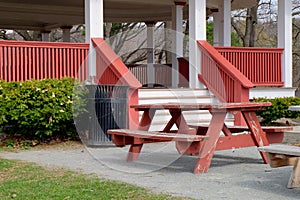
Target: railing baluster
[221,77]
[24,60]
[262,66]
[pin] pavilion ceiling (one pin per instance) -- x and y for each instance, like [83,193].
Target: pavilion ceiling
[46,15]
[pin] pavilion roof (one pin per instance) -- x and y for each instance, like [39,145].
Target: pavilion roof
[46,15]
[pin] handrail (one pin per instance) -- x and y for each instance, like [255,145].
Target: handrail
[111,70]
[221,77]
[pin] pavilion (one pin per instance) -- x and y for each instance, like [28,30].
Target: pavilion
[271,67]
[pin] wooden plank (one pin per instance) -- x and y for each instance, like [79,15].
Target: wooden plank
[238,129]
[157,135]
[294,181]
[204,106]
[207,152]
[285,155]
[281,160]
[257,134]
[281,149]
[274,134]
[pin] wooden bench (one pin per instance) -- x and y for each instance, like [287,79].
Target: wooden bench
[122,137]
[274,134]
[285,155]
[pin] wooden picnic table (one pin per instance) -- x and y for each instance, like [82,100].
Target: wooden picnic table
[204,150]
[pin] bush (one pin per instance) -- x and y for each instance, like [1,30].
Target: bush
[278,110]
[39,109]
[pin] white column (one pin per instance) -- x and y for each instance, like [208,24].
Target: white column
[225,29]
[66,35]
[227,23]
[197,30]
[45,36]
[93,29]
[178,43]
[150,56]
[217,26]
[285,39]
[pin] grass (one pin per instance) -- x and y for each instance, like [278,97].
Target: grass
[59,145]
[21,180]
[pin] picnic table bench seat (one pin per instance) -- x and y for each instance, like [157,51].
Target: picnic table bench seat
[285,155]
[274,134]
[136,138]
[122,137]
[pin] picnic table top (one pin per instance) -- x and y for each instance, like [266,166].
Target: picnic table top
[281,149]
[204,106]
[294,108]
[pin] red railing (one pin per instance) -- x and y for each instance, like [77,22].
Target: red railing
[24,60]
[262,66]
[221,77]
[111,70]
[162,73]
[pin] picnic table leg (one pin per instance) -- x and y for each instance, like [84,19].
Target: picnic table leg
[294,181]
[146,119]
[134,152]
[257,134]
[182,147]
[207,152]
[178,119]
[135,149]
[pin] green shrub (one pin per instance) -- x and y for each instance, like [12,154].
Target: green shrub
[39,109]
[279,109]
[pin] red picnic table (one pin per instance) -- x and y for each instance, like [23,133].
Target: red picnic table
[194,144]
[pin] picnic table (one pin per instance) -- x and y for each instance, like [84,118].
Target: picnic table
[194,144]
[294,108]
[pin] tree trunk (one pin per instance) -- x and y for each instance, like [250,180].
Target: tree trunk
[250,32]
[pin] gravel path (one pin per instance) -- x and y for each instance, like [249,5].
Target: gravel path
[238,174]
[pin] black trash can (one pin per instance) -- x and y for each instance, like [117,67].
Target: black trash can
[107,108]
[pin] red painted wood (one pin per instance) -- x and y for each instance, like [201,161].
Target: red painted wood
[111,70]
[136,138]
[225,81]
[162,73]
[258,135]
[275,138]
[203,106]
[262,66]
[183,68]
[134,152]
[273,134]
[221,77]
[208,149]
[189,148]
[146,120]
[25,60]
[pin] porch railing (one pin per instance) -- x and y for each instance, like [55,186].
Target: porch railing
[262,66]
[221,77]
[162,73]
[24,60]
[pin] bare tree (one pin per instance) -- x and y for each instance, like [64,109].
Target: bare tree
[29,35]
[3,35]
[129,42]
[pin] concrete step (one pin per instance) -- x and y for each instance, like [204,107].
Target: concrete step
[171,92]
[178,95]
